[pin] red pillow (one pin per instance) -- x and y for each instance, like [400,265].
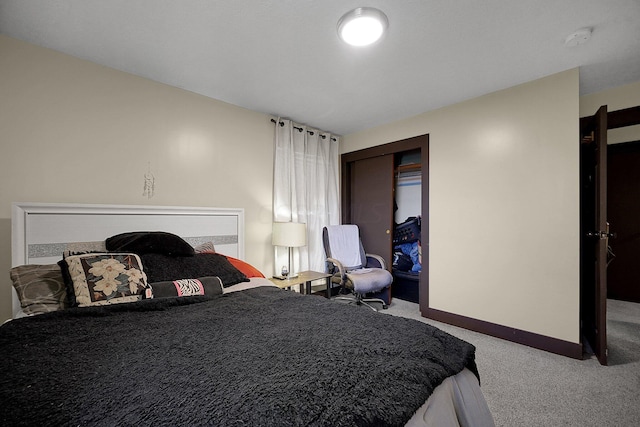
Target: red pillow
[246,269]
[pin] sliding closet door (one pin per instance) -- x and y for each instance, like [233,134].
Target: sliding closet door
[371,203]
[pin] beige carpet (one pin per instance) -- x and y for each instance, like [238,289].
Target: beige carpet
[528,387]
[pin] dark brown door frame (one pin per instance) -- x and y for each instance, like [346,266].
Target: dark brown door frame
[616,119]
[417,142]
[593,290]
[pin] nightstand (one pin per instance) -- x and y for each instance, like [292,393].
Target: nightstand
[304,278]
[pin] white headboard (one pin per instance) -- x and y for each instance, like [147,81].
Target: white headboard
[41,232]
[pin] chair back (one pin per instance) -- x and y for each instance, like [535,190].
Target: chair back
[342,242]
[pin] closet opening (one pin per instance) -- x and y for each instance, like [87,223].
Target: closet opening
[407,245]
[382,187]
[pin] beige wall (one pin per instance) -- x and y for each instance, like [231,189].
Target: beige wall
[503,173]
[75,132]
[504,204]
[615,99]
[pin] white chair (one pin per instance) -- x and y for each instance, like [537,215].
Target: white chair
[352,268]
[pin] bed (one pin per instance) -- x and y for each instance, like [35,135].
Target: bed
[226,348]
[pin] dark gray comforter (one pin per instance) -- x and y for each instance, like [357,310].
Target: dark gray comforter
[261,357]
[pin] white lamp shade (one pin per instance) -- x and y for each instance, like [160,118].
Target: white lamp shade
[291,234]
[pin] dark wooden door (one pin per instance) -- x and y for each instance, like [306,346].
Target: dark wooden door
[371,203]
[594,232]
[623,205]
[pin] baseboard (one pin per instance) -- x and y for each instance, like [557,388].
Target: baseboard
[541,342]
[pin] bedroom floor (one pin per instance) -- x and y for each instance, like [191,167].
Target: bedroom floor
[528,387]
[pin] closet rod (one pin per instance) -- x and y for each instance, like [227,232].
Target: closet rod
[310,132]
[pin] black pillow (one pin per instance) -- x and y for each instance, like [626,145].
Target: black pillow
[163,268]
[187,287]
[149,242]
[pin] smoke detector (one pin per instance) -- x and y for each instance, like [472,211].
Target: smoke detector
[579,37]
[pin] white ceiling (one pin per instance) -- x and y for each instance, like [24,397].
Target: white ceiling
[283,57]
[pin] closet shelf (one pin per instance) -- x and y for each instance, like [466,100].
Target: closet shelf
[409,168]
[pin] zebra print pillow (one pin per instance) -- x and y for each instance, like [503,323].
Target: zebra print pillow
[186,287]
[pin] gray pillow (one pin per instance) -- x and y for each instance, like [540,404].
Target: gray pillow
[40,288]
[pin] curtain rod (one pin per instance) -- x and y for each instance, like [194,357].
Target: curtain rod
[310,132]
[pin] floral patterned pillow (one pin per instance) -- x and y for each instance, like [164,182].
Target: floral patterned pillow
[106,278]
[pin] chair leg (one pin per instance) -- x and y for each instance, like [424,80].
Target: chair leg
[359,300]
[381,301]
[363,302]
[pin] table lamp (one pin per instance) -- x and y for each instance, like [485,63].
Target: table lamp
[291,235]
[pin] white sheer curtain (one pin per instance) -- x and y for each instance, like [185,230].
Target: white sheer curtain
[305,189]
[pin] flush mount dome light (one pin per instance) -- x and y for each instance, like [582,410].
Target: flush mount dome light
[362,26]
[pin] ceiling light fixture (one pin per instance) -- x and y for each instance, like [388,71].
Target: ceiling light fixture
[362,26]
